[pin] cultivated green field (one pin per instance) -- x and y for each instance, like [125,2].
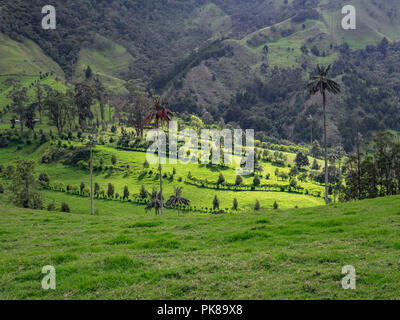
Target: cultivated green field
[126,253]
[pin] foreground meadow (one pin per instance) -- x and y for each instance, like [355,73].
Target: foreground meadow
[125,253]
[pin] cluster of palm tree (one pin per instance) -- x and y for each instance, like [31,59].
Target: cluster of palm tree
[175,201]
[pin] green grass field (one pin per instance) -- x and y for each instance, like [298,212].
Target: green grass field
[127,253]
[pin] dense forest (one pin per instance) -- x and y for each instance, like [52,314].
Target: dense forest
[170,40]
[144,27]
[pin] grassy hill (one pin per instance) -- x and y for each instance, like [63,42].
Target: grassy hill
[126,253]
[25,58]
[129,171]
[107,59]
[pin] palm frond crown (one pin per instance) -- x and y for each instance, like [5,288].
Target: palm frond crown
[322,83]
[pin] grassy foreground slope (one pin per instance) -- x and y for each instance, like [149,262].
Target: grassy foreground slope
[125,253]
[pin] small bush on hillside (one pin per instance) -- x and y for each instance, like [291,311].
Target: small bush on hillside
[113,159]
[110,190]
[51,207]
[65,207]
[257,206]
[143,192]
[215,203]
[221,179]
[256,181]
[126,193]
[275,205]
[44,178]
[239,180]
[235,204]
[36,201]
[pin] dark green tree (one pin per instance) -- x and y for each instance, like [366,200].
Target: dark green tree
[110,190]
[216,203]
[19,98]
[301,160]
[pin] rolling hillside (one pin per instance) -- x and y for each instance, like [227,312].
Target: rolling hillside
[25,59]
[127,254]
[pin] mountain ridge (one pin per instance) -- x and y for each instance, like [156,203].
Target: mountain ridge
[267,40]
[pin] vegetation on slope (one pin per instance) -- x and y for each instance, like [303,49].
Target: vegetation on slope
[126,253]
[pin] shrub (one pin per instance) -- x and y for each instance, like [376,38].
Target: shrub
[146,164]
[239,180]
[143,192]
[1,188]
[82,187]
[65,207]
[44,178]
[110,190]
[113,159]
[215,203]
[275,205]
[256,181]
[51,207]
[257,206]
[126,193]
[221,179]
[293,172]
[36,201]
[235,204]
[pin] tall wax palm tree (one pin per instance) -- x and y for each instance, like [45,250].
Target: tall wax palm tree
[159,114]
[321,83]
[177,200]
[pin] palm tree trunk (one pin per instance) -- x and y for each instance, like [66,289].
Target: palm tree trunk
[91,181]
[358,170]
[326,150]
[340,182]
[159,169]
